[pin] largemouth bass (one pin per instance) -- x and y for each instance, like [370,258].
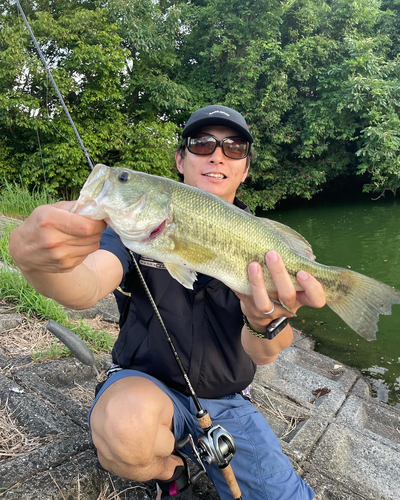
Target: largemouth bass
[191,230]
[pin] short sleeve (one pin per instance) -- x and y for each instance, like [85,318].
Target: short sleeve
[111,242]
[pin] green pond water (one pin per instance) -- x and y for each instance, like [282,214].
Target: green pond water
[364,236]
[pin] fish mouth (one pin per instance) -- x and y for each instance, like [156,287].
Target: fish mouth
[158,230]
[139,236]
[94,188]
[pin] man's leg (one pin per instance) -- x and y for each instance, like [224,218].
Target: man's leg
[261,469]
[132,424]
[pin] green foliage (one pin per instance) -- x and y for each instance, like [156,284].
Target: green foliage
[18,201]
[318,81]
[117,90]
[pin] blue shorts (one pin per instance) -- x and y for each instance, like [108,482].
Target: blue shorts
[262,470]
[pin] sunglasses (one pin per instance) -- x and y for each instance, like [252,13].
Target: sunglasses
[205,144]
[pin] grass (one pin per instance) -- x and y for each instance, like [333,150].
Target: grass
[17,201]
[15,290]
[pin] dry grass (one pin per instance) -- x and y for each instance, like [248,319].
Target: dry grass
[31,335]
[110,493]
[14,441]
[83,394]
[27,338]
[98,323]
[291,420]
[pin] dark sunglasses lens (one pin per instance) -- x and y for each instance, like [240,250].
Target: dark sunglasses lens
[203,145]
[236,147]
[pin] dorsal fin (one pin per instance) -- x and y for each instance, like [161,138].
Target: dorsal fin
[292,238]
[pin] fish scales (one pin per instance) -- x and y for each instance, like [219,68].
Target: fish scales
[223,232]
[191,230]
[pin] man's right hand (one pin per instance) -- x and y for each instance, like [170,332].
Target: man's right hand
[58,253]
[53,240]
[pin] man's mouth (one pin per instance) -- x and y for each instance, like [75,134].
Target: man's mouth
[216,176]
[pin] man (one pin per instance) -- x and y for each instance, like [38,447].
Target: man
[144,408]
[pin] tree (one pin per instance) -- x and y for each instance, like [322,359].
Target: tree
[119,107]
[318,81]
[293,69]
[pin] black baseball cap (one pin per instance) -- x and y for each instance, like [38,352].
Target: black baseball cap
[217,115]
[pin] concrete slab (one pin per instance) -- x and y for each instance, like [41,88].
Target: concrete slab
[343,375]
[73,410]
[359,464]
[9,320]
[62,372]
[362,388]
[373,419]
[297,427]
[42,459]
[301,378]
[327,489]
[106,307]
[33,414]
[40,420]
[75,479]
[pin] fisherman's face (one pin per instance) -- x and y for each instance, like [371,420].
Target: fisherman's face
[215,173]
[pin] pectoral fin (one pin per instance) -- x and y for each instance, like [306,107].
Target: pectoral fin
[183,275]
[193,253]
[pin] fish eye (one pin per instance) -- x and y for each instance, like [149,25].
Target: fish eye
[123,176]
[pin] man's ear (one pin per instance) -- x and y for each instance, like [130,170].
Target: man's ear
[179,162]
[246,172]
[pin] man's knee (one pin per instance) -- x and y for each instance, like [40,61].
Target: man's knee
[126,419]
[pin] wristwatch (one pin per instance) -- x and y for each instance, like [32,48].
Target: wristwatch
[276,326]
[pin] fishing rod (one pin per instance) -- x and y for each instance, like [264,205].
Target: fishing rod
[60,97]
[217,445]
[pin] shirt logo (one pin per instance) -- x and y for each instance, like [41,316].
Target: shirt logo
[145,261]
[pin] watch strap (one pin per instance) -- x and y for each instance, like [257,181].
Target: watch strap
[276,326]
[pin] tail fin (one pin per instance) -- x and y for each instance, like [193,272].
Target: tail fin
[359,300]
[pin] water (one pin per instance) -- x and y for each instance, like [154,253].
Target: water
[365,237]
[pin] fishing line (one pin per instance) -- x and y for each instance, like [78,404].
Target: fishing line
[40,152]
[55,85]
[170,342]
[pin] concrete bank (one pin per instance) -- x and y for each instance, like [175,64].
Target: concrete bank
[343,442]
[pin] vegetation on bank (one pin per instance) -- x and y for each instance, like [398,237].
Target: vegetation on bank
[318,80]
[15,290]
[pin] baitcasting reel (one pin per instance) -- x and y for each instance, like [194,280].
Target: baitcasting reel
[215,446]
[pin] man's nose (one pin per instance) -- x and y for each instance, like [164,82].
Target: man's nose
[218,155]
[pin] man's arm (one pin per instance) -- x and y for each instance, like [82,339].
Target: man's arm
[58,253]
[264,351]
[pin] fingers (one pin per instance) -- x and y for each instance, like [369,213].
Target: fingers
[285,290]
[262,301]
[313,294]
[63,220]
[52,239]
[259,307]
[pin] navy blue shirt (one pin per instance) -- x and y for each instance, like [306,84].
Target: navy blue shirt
[204,323]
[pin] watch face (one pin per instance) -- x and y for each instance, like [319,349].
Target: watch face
[276,326]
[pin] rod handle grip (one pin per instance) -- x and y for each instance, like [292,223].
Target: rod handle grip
[230,479]
[205,422]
